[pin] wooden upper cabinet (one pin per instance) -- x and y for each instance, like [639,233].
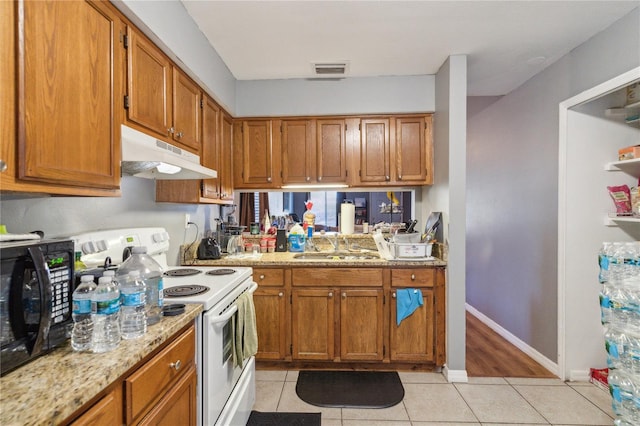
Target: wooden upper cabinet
[149,81]
[298,152]
[412,150]
[186,111]
[210,146]
[255,155]
[331,151]
[226,166]
[375,151]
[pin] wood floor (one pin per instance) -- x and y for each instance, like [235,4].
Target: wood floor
[490,355]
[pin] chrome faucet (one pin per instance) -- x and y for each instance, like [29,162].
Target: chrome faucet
[335,244]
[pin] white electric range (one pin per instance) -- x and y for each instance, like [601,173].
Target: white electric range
[226,394]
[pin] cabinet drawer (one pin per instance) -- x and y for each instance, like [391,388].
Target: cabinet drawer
[151,380]
[268,277]
[353,277]
[413,277]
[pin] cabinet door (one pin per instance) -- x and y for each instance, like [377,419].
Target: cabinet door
[413,340]
[271,322]
[374,151]
[69,92]
[186,112]
[410,150]
[106,412]
[298,153]
[331,151]
[361,325]
[257,153]
[210,146]
[225,170]
[178,406]
[149,83]
[313,327]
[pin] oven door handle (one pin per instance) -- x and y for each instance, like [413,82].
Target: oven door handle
[224,317]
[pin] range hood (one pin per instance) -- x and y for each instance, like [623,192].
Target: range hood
[147,157]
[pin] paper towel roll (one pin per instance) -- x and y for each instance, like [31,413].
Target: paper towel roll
[347,217]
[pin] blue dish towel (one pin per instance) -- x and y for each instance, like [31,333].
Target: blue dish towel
[407,301]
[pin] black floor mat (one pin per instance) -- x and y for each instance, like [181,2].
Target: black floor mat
[258,418]
[350,389]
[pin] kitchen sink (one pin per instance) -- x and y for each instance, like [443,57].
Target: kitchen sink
[337,256]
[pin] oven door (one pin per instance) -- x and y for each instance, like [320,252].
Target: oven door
[219,376]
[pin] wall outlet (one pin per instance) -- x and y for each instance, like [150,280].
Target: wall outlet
[187,219]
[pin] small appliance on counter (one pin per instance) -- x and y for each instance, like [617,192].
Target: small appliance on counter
[36,281]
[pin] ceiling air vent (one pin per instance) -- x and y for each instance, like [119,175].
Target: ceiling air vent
[330,69]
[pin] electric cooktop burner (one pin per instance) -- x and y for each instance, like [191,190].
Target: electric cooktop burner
[221,272]
[185,290]
[181,272]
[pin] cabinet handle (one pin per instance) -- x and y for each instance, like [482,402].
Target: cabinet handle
[308,179]
[330,294]
[393,294]
[387,178]
[171,130]
[399,177]
[262,276]
[176,365]
[179,134]
[280,294]
[319,178]
[3,166]
[269,179]
[413,277]
[344,295]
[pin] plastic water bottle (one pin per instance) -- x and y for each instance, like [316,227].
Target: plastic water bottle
[605,303]
[82,332]
[133,318]
[151,274]
[603,261]
[616,343]
[105,309]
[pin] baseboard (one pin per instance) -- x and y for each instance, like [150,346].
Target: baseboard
[515,341]
[457,376]
[579,376]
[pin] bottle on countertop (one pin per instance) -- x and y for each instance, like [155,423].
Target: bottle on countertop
[105,310]
[267,221]
[151,273]
[82,331]
[79,265]
[133,318]
[309,219]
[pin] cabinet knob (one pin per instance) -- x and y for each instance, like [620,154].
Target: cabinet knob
[399,177]
[330,294]
[413,277]
[269,179]
[393,294]
[3,166]
[176,365]
[319,178]
[387,178]
[344,295]
[179,134]
[171,130]
[280,294]
[308,179]
[262,276]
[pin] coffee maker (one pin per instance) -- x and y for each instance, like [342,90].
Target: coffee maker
[228,228]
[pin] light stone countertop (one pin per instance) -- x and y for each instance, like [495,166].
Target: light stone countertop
[49,389]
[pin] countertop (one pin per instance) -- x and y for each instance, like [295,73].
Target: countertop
[51,388]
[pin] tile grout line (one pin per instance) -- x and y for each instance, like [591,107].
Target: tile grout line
[591,402]
[466,402]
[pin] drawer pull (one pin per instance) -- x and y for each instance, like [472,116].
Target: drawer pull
[262,276]
[344,295]
[176,365]
[413,277]
[330,294]
[393,294]
[280,294]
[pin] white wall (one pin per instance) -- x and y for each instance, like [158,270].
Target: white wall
[327,97]
[64,216]
[448,194]
[512,188]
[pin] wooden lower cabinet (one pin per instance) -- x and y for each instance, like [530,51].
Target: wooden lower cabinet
[313,324]
[161,390]
[361,324]
[413,339]
[271,301]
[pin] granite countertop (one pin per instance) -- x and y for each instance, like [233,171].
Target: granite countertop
[51,388]
[189,255]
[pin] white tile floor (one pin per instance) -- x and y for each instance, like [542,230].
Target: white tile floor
[430,401]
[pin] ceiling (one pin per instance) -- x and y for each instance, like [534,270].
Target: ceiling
[507,42]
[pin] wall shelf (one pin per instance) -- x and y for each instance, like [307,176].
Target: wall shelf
[615,221]
[631,167]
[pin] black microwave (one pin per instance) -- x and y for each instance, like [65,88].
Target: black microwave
[36,286]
